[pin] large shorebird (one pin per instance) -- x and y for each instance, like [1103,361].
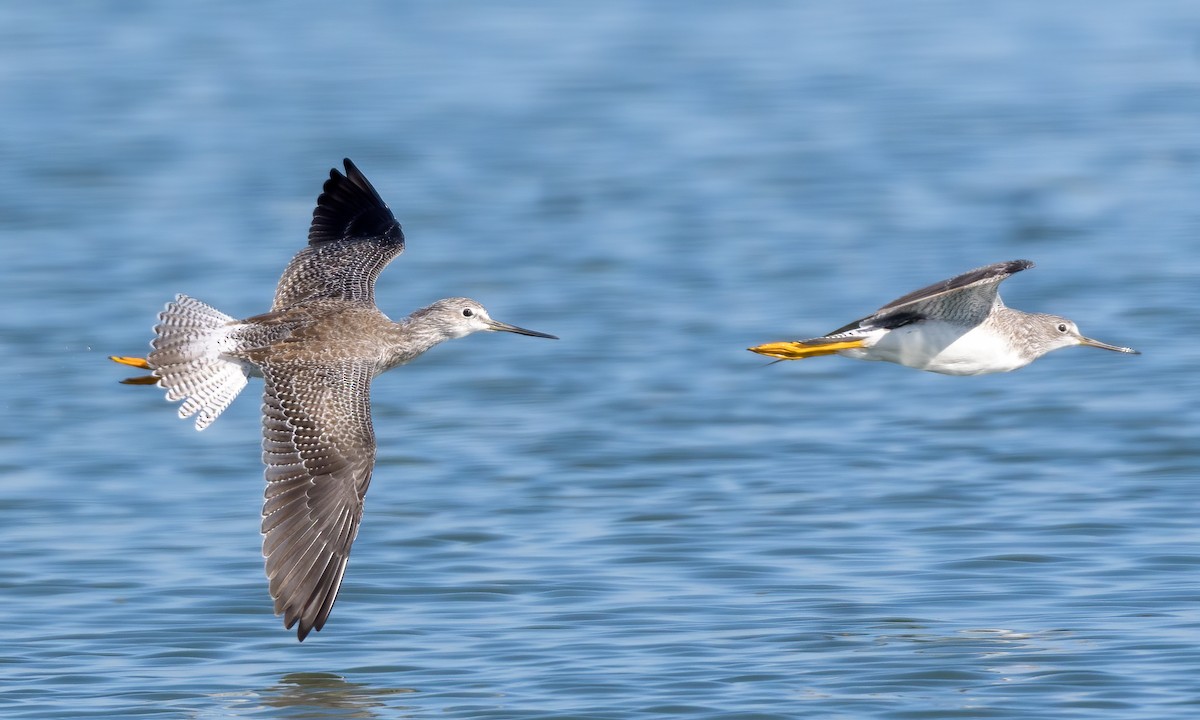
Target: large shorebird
[317,351]
[958,326]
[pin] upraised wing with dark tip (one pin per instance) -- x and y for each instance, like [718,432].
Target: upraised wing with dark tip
[986,280]
[966,297]
[352,238]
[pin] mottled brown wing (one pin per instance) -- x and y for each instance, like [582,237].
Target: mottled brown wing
[966,298]
[319,449]
[353,236]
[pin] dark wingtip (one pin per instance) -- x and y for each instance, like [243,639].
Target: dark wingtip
[349,207]
[302,630]
[1004,268]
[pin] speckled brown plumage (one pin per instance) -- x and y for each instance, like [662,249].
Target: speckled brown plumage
[317,349]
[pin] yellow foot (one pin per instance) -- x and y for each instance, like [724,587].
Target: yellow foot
[143,380]
[799,349]
[139,363]
[132,361]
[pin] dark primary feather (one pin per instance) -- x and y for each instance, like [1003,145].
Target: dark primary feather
[353,236]
[885,321]
[319,449]
[349,207]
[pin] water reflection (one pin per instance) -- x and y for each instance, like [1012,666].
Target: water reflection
[320,695]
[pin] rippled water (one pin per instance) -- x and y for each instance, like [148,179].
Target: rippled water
[641,519]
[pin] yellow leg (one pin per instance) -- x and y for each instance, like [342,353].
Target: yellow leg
[139,363]
[143,380]
[798,349]
[136,362]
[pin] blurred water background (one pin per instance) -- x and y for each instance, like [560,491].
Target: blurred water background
[641,519]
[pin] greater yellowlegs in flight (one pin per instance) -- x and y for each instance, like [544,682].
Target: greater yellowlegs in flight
[317,350]
[958,326]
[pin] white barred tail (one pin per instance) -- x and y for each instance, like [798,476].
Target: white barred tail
[190,342]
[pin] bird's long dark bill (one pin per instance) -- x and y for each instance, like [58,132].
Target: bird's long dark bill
[505,327]
[1105,346]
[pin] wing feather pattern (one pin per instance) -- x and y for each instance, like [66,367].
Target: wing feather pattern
[353,237]
[319,451]
[968,297]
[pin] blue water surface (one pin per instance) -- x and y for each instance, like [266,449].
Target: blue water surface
[641,519]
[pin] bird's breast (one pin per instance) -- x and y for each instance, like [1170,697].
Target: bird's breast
[945,348]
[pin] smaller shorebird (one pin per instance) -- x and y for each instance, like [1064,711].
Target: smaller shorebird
[959,326]
[317,350]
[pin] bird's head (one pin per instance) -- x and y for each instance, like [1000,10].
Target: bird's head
[1053,332]
[459,317]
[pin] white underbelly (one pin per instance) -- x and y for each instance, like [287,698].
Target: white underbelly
[943,348]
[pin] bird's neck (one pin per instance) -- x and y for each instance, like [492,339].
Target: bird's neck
[413,336]
[410,337]
[1017,326]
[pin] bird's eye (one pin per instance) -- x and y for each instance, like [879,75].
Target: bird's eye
[468,312]
[1062,327]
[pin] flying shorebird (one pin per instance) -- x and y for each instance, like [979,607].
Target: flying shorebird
[958,326]
[317,350]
